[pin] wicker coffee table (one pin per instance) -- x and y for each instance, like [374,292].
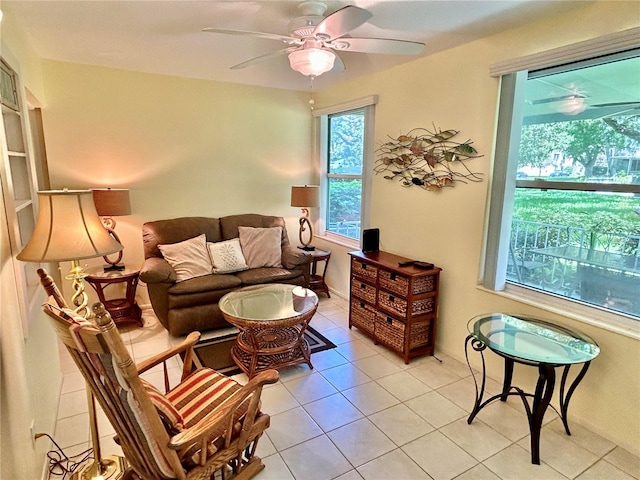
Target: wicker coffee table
[272,320]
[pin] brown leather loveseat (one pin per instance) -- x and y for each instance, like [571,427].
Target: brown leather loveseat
[192,304]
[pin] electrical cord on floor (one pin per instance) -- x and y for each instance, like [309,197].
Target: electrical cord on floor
[60,465]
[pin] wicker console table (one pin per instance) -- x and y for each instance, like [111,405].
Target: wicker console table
[397,306]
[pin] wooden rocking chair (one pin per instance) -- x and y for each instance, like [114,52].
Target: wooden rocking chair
[207,424]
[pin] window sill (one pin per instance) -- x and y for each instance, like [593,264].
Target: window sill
[340,240]
[619,324]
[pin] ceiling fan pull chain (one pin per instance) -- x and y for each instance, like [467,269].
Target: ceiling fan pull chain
[312,102]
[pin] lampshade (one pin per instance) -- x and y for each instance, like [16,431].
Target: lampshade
[112,202]
[312,61]
[305,196]
[68,228]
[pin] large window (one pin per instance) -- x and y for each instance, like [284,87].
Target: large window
[346,152]
[568,162]
[344,173]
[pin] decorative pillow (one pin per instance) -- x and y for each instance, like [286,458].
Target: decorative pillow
[261,247]
[171,417]
[227,256]
[189,258]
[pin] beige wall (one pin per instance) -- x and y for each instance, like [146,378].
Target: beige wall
[191,147]
[453,90]
[182,146]
[30,378]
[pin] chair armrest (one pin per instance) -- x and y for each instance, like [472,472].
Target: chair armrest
[293,257]
[186,347]
[157,270]
[220,420]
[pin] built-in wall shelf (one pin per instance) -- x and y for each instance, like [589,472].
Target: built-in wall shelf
[19,184]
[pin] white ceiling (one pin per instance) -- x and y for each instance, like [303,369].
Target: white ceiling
[164,36]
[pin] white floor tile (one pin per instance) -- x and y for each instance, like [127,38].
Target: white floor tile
[355,350]
[345,376]
[479,472]
[370,398]
[72,430]
[439,457]
[393,465]
[477,439]
[274,469]
[401,424]
[625,461]
[514,463]
[603,470]
[333,412]
[377,366]
[582,436]
[433,374]
[506,420]
[310,388]
[349,440]
[436,409]
[291,428]
[317,459]
[277,399]
[403,385]
[558,451]
[327,359]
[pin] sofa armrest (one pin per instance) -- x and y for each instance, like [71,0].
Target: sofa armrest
[157,270]
[293,257]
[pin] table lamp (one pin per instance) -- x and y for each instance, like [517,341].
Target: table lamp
[68,229]
[112,202]
[306,196]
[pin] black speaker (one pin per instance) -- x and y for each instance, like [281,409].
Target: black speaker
[371,240]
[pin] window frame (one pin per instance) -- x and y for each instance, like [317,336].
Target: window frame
[367,105]
[513,75]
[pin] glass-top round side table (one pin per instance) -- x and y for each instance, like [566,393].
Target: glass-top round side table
[272,319]
[535,342]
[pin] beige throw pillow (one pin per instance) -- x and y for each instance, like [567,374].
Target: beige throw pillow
[227,256]
[261,247]
[189,258]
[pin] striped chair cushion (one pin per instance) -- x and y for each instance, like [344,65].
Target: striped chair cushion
[169,414]
[201,392]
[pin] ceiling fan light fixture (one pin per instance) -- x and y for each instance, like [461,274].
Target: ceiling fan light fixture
[312,61]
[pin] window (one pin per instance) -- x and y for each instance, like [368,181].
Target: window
[346,153]
[566,213]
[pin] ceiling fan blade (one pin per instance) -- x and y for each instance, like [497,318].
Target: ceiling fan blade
[263,58]
[341,22]
[378,45]
[270,36]
[617,104]
[338,64]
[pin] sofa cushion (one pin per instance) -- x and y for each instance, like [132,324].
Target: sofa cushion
[229,225]
[206,283]
[261,246]
[257,276]
[227,256]
[176,230]
[189,258]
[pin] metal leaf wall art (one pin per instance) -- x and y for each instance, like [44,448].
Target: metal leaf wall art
[424,158]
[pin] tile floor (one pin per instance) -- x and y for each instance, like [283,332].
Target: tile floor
[361,413]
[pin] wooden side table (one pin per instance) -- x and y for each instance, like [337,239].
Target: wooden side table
[122,310]
[316,281]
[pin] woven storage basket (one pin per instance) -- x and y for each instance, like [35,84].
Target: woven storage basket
[399,284]
[363,270]
[363,290]
[390,332]
[363,317]
[393,282]
[393,304]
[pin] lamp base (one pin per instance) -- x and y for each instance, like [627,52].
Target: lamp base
[114,267]
[307,248]
[110,468]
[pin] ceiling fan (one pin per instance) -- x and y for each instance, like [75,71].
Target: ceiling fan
[314,39]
